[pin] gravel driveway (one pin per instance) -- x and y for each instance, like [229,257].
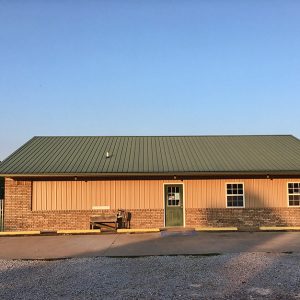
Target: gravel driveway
[228,276]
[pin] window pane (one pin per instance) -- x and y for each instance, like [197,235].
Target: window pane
[235,201]
[294,188]
[236,189]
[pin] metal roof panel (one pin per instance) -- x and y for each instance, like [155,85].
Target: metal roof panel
[154,154]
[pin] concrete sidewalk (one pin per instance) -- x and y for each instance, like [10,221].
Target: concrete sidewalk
[161,243]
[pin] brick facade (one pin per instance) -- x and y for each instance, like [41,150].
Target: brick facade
[18,214]
[244,218]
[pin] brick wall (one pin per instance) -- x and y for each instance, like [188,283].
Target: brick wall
[19,216]
[243,217]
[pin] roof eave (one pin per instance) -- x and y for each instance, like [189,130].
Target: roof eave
[266,173]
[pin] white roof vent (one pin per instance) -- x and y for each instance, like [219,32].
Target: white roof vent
[107,154]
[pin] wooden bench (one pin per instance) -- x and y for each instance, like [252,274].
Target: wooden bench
[104,220]
[114,221]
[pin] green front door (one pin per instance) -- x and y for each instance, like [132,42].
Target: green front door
[174,205]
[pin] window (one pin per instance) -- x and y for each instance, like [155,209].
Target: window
[294,193]
[235,194]
[173,196]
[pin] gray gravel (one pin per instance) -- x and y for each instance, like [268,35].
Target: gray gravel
[230,276]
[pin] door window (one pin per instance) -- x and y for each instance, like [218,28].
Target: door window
[173,196]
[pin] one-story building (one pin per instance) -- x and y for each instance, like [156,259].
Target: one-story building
[244,181]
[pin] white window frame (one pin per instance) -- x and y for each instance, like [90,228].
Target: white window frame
[244,199]
[288,194]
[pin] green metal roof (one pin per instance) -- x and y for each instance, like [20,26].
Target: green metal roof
[154,155]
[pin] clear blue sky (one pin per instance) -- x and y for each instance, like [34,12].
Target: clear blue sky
[148,68]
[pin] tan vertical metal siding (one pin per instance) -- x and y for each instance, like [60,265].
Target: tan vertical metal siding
[149,194]
[258,192]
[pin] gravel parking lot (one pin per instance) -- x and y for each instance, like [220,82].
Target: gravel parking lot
[228,276]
